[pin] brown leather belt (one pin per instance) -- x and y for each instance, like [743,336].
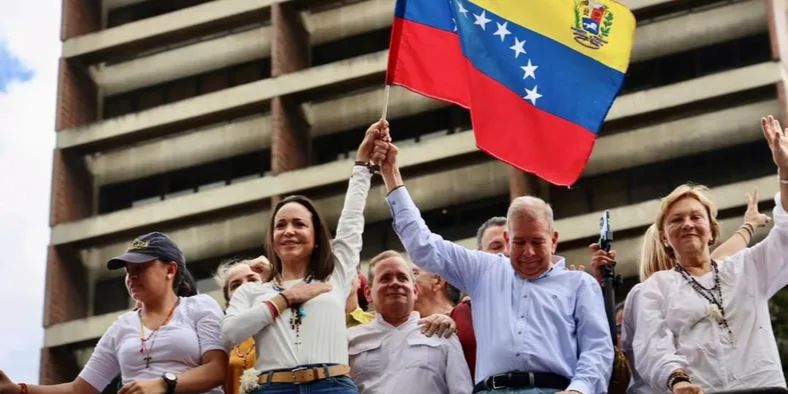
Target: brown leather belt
[303,375]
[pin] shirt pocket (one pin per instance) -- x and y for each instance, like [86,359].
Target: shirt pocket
[366,356]
[425,353]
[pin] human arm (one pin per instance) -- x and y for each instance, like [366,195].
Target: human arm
[209,374]
[350,227]
[245,318]
[458,377]
[765,262]
[599,259]
[594,346]
[77,386]
[753,220]
[438,323]
[430,251]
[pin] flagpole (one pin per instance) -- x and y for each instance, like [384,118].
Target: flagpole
[386,94]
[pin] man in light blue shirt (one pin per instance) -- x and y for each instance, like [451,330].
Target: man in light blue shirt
[538,325]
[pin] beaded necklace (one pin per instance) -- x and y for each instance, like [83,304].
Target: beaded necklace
[297,311]
[152,336]
[715,300]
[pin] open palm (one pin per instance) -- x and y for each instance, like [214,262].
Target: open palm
[778,143]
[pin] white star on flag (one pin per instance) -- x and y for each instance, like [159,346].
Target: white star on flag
[529,70]
[462,9]
[481,20]
[502,30]
[454,24]
[518,47]
[532,95]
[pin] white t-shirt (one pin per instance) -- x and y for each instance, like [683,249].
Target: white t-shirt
[323,332]
[178,346]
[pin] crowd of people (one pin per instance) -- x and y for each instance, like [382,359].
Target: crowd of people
[508,317]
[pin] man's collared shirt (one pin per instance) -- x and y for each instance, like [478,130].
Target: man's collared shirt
[386,359]
[555,323]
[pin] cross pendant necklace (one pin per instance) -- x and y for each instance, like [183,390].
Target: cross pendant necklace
[147,360]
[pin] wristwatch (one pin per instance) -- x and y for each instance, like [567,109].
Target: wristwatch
[171,379]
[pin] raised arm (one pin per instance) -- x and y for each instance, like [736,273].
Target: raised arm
[350,227]
[456,264]
[753,220]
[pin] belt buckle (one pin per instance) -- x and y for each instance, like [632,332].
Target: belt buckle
[493,385]
[295,371]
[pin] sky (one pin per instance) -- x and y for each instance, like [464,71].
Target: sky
[29,50]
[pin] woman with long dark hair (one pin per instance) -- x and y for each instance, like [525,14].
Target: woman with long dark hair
[297,318]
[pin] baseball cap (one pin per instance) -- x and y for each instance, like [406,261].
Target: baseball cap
[147,248]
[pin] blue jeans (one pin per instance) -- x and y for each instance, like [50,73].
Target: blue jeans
[528,390]
[335,385]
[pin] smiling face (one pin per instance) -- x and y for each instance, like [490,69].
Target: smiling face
[686,227]
[393,290]
[293,232]
[531,245]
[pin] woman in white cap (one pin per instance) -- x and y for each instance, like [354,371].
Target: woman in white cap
[169,345]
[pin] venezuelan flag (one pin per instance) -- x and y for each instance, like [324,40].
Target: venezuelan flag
[538,76]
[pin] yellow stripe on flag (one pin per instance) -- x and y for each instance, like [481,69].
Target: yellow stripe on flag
[562,21]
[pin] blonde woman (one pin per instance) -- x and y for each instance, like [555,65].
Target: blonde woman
[704,325]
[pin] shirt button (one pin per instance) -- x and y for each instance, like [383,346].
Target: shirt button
[525,296]
[522,316]
[517,354]
[519,332]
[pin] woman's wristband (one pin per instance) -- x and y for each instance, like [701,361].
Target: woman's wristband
[374,169]
[22,388]
[284,297]
[272,308]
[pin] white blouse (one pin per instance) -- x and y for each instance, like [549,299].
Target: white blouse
[637,385]
[178,346]
[675,331]
[323,334]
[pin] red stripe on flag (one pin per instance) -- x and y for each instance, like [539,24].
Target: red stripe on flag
[428,61]
[509,128]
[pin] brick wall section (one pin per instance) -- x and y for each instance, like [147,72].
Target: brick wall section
[79,17]
[58,365]
[77,96]
[289,52]
[65,294]
[72,196]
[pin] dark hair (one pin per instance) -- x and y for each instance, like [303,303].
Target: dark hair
[184,284]
[452,293]
[619,307]
[322,260]
[493,221]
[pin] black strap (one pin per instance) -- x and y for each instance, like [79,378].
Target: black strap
[517,379]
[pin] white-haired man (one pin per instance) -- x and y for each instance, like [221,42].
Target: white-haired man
[539,327]
[391,354]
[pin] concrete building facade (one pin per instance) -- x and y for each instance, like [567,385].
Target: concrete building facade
[191,116]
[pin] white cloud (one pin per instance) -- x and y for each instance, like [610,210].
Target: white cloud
[31,31]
